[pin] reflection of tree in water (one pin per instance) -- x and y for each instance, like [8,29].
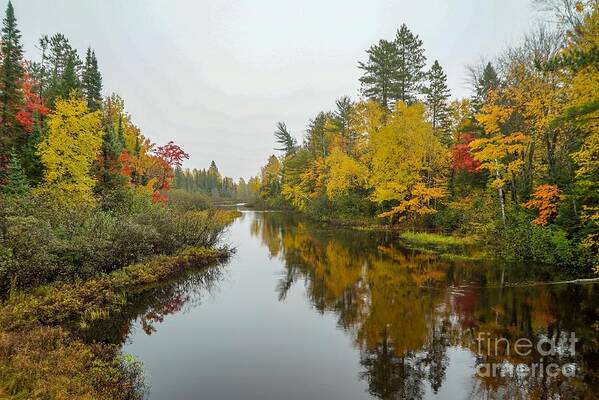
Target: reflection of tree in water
[152,305]
[404,309]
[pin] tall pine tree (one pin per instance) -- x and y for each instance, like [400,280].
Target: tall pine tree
[379,72]
[343,118]
[11,75]
[484,82]
[437,94]
[61,67]
[284,139]
[91,81]
[409,76]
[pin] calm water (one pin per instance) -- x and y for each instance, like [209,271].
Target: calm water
[308,312]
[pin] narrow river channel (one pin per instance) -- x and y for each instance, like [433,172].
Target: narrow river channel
[305,311]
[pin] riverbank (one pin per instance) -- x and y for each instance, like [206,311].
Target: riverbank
[42,354]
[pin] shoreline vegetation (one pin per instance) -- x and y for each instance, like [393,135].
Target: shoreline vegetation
[42,354]
[88,220]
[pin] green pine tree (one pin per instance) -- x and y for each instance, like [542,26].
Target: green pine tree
[11,74]
[485,82]
[91,81]
[379,72]
[437,94]
[16,182]
[284,139]
[409,75]
[61,63]
[111,184]
[342,119]
[70,77]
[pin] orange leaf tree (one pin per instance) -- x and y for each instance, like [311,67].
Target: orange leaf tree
[545,200]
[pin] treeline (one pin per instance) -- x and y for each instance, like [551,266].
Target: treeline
[515,163]
[211,183]
[82,190]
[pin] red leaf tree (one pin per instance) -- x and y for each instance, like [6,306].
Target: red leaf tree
[461,157]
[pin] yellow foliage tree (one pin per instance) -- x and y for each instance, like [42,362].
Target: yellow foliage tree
[501,156]
[407,162]
[69,151]
[344,173]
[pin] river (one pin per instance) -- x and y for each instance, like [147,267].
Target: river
[306,311]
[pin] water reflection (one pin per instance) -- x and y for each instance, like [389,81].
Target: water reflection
[151,306]
[406,311]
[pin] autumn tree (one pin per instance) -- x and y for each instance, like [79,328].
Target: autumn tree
[68,152]
[345,174]
[407,163]
[545,200]
[461,155]
[501,156]
[270,186]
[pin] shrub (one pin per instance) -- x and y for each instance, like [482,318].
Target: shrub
[40,243]
[519,240]
[185,200]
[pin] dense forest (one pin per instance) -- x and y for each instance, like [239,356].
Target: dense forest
[515,164]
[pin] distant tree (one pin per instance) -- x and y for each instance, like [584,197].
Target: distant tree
[284,139]
[91,81]
[380,72]
[408,78]
[437,95]
[483,81]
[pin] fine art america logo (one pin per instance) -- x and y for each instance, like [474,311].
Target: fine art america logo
[559,351]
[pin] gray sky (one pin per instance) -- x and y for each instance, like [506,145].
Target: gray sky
[215,76]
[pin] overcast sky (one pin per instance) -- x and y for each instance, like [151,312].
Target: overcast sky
[215,76]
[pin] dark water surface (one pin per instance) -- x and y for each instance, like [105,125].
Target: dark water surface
[303,311]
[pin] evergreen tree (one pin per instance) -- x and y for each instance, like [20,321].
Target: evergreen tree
[437,94]
[110,181]
[284,138]
[317,140]
[62,63]
[409,75]
[343,118]
[16,182]
[91,81]
[70,77]
[484,82]
[11,74]
[379,72]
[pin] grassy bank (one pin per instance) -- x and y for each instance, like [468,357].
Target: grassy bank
[41,352]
